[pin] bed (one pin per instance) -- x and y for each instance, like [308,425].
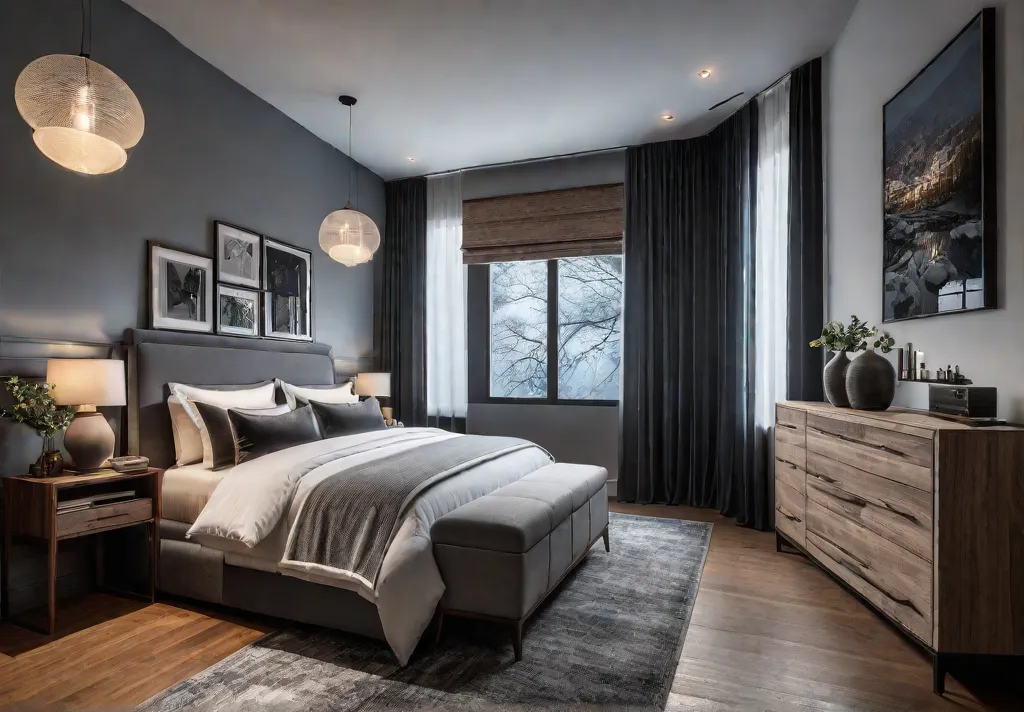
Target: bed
[260,573]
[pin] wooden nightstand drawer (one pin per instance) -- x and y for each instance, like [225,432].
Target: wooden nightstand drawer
[97,519]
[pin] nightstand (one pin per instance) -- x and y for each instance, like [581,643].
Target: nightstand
[30,508]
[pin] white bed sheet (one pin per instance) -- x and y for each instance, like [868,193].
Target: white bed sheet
[185,490]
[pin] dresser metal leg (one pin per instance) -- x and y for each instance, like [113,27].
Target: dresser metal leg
[938,674]
[778,543]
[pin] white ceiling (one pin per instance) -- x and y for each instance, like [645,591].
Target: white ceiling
[458,83]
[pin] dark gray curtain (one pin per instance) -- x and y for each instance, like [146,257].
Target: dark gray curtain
[688,434]
[402,317]
[806,234]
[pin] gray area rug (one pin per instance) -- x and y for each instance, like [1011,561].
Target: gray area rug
[609,639]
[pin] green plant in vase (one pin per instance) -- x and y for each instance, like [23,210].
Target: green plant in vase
[34,406]
[867,382]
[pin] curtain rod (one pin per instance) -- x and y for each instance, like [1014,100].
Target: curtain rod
[524,161]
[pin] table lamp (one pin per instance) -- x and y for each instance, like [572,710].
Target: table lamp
[377,385]
[87,383]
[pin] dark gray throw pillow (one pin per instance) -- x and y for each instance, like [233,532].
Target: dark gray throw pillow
[259,435]
[337,419]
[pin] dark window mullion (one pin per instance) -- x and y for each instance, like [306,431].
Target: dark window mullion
[552,331]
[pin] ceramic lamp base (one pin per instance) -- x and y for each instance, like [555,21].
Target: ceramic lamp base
[89,441]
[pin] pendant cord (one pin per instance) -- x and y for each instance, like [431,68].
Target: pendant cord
[353,178]
[85,48]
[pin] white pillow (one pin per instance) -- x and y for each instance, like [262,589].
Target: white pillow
[340,393]
[261,396]
[204,433]
[188,443]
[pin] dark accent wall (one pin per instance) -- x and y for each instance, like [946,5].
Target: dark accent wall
[73,259]
[73,256]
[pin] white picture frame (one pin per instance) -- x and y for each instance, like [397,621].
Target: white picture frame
[181,290]
[238,255]
[244,319]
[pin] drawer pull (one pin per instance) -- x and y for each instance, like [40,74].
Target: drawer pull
[787,462]
[786,425]
[110,516]
[790,517]
[900,512]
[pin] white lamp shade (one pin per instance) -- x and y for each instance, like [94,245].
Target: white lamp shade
[349,237]
[84,116]
[86,381]
[373,384]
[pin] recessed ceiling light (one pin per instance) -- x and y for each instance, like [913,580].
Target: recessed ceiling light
[410,159]
[704,73]
[667,117]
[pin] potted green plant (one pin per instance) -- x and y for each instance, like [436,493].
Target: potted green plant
[867,382]
[34,406]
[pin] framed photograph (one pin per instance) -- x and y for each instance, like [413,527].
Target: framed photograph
[238,255]
[181,290]
[287,291]
[238,311]
[939,172]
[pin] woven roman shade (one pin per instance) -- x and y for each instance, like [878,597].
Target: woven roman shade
[542,226]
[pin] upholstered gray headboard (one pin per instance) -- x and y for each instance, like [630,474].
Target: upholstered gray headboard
[156,358]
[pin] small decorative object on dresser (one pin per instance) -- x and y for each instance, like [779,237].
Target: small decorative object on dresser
[917,515]
[87,383]
[873,385]
[288,287]
[181,291]
[238,255]
[238,311]
[34,406]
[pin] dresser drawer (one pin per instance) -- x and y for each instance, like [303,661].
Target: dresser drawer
[891,578]
[789,512]
[894,511]
[789,445]
[88,521]
[791,418]
[896,456]
[789,474]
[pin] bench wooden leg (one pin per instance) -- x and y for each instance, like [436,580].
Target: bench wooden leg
[517,639]
[438,621]
[604,535]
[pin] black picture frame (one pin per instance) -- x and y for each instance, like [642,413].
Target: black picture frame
[223,231]
[225,290]
[302,324]
[929,248]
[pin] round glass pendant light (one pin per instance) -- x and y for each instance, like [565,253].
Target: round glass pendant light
[84,117]
[349,236]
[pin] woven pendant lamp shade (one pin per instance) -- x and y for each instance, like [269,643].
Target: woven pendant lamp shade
[349,237]
[84,116]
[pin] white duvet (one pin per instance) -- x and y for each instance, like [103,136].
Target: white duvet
[251,514]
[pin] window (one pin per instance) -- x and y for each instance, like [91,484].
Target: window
[555,329]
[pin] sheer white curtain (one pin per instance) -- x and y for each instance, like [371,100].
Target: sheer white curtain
[771,249]
[447,390]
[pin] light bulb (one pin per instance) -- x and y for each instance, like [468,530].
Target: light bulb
[84,112]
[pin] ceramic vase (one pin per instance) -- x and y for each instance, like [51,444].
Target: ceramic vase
[834,380]
[870,382]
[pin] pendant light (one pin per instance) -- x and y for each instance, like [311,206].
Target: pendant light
[349,236]
[84,117]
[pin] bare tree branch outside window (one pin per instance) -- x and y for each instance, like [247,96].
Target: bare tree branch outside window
[589,327]
[519,330]
[589,322]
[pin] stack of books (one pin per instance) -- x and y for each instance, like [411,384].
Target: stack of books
[96,500]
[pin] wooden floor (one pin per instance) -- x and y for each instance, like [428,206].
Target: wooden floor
[769,632]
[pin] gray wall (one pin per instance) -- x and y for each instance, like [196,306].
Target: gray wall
[884,45]
[73,248]
[572,433]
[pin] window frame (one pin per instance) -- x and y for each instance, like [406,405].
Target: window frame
[479,343]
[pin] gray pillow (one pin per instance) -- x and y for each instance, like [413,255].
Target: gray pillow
[259,435]
[337,419]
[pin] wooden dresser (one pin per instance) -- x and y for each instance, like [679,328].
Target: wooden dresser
[920,516]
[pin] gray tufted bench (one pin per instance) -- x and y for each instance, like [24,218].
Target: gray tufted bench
[502,554]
